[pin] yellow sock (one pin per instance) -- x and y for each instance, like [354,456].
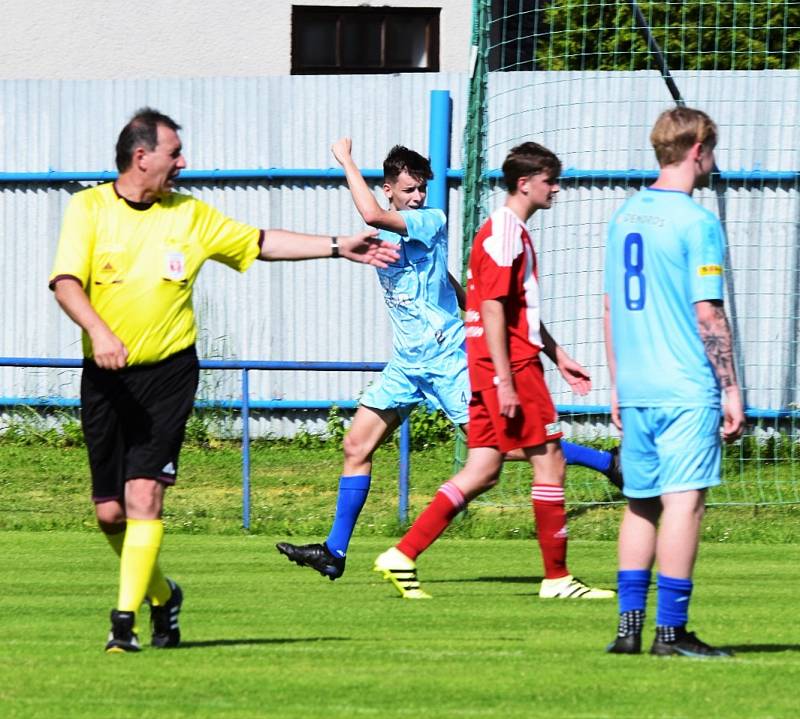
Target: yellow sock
[137,562]
[158,591]
[116,540]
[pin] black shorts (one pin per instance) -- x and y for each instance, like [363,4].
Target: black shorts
[134,420]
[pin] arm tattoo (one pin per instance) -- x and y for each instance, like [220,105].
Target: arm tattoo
[715,332]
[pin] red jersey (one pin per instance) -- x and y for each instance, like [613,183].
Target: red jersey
[502,265]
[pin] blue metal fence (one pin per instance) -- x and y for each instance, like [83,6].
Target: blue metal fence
[245,404]
[439,144]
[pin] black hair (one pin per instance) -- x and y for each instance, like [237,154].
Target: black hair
[529,158]
[141,131]
[402,159]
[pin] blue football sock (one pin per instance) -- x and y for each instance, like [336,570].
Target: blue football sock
[673,601]
[586,456]
[352,495]
[632,586]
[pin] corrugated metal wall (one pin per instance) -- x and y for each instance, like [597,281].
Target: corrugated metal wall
[324,310]
[318,310]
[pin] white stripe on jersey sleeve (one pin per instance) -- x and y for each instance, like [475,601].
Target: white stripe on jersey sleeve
[504,245]
[532,305]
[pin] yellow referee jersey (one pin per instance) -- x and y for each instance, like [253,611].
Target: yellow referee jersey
[138,267]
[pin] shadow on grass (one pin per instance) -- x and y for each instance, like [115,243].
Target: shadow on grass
[252,642]
[762,648]
[502,580]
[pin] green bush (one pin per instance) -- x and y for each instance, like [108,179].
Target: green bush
[693,34]
[335,428]
[207,428]
[53,428]
[772,449]
[428,428]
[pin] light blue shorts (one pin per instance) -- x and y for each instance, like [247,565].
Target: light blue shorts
[444,386]
[670,449]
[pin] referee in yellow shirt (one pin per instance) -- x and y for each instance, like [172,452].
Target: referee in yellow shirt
[128,256]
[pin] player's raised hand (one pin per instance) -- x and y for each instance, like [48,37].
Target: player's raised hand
[342,149]
[367,248]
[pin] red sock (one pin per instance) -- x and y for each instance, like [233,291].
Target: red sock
[436,517]
[551,528]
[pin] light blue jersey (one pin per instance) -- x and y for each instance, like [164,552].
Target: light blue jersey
[428,361]
[665,252]
[422,303]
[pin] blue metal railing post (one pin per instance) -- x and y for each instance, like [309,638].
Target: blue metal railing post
[405,464]
[439,148]
[246,448]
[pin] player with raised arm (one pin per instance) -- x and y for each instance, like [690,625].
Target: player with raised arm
[669,352]
[510,410]
[428,359]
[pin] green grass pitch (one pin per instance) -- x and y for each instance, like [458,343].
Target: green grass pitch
[264,638]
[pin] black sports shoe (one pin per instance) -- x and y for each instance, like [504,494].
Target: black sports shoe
[164,619]
[316,556]
[687,644]
[632,644]
[122,638]
[614,471]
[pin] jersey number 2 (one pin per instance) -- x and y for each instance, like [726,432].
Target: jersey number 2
[635,286]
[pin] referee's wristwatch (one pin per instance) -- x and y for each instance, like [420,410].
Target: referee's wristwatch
[334,246]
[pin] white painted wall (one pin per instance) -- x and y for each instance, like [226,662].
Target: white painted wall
[110,39]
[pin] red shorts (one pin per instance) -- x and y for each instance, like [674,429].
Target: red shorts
[535,423]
